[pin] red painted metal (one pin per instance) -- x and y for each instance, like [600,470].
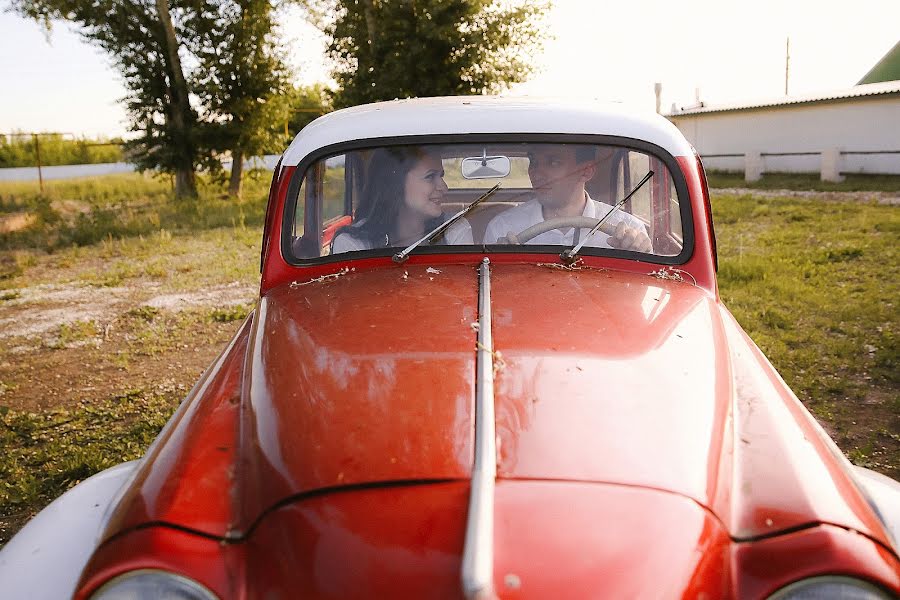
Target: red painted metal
[221,568]
[552,539]
[275,268]
[588,375]
[364,378]
[332,228]
[576,540]
[649,382]
[643,440]
[393,542]
[701,264]
[763,566]
[332,397]
[186,476]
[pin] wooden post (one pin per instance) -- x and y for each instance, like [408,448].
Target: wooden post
[37,152]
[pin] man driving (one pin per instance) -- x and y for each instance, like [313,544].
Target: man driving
[558,176]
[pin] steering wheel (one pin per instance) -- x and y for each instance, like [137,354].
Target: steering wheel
[580,222]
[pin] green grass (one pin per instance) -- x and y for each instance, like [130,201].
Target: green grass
[805,181]
[46,453]
[815,285]
[82,212]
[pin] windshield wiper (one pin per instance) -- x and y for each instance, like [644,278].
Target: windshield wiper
[568,256]
[404,254]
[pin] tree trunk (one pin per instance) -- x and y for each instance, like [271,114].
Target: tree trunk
[371,28]
[185,182]
[237,171]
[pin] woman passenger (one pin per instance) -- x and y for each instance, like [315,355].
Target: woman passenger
[402,201]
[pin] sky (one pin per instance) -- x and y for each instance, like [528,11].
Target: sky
[731,50]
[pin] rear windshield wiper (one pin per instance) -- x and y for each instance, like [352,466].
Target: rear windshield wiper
[568,256]
[404,254]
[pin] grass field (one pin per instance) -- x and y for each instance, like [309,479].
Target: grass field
[81,212]
[815,284]
[806,181]
[137,294]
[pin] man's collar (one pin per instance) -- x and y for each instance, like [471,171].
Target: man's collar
[587,211]
[590,207]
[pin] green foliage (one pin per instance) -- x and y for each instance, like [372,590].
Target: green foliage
[306,103]
[241,80]
[19,151]
[75,332]
[227,314]
[147,313]
[220,52]
[385,50]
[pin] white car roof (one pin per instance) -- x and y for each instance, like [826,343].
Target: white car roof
[484,114]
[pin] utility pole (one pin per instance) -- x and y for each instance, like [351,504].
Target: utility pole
[787,64]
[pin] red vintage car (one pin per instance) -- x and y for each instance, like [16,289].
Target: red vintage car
[489,360]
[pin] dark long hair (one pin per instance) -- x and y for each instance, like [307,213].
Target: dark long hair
[384,193]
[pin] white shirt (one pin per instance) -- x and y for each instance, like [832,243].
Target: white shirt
[523,216]
[458,234]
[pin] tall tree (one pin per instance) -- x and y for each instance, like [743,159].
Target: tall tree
[141,37]
[385,49]
[236,77]
[241,80]
[307,103]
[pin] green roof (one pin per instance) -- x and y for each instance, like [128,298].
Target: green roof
[887,69]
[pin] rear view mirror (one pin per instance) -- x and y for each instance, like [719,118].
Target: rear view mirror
[485,167]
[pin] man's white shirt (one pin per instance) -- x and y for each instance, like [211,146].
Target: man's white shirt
[525,215]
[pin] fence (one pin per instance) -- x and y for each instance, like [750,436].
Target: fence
[833,163]
[44,173]
[56,171]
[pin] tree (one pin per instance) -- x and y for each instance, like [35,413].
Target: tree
[241,80]
[236,77]
[388,49]
[141,38]
[307,103]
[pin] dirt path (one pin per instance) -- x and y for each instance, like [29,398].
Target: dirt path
[61,344]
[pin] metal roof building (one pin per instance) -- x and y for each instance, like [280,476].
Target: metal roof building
[853,130]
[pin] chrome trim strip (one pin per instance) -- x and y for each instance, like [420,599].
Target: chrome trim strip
[478,551]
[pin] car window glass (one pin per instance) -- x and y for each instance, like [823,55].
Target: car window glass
[675,209]
[334,192]
[382,198]
[299,212]
[640,206]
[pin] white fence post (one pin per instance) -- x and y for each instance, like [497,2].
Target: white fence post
[831,165]
[753,166]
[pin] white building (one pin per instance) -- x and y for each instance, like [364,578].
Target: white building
[855,130]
